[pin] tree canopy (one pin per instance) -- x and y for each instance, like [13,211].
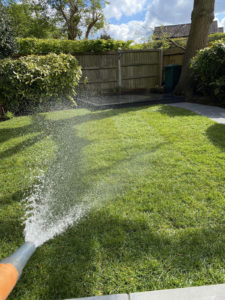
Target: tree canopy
[30,18]
[80,17]
[7,43]
[73,19]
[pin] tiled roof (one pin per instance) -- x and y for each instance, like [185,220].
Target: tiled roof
[183,30]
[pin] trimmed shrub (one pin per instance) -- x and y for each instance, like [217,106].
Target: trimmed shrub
[161,44]
[38,82]
[29,46]
[209,70]
[7,42]
[165,44]
[216,36]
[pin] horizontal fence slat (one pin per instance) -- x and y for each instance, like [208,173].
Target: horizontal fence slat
[139,50]
[99,82]
[137,65]
[131,78]
[98,68]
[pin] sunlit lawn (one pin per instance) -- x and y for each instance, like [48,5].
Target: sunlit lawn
[159,173]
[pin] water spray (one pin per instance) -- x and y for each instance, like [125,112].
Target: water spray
[11,268]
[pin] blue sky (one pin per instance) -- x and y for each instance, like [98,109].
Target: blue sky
[135,19]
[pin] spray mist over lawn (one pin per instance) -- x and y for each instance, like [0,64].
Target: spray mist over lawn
[60,195]
[92,165]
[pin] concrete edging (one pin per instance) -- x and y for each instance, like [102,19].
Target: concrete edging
[214,113]
[210,292]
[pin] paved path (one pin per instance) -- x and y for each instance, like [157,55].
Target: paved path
[215,113]
[211,292]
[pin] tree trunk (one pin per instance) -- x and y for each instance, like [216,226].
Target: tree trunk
[71,36]
[88,31]
[89,28]
[2,112]
[202,17]
[72,31]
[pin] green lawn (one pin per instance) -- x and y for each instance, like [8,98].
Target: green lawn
[158,176]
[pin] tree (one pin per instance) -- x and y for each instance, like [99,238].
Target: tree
[80,17]
[7,42]
[105,36]
[30,19]
[202,17]
[94,17]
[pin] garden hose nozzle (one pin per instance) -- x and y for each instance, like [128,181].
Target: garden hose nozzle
[11,268]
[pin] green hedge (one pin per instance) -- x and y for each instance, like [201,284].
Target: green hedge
[29,46]
[209,70]
[37,82]
[157,44]
[216,36]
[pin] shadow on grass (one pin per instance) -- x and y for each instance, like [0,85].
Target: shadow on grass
[11,229]
[173,111]
[89,258]
[63,133]
[44,127]
[216,134]
[10,198]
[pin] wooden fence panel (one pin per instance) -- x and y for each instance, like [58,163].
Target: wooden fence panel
[107,60]
[140,69]
[100,71]
[173,56]
[145,57]
[140,84]
[101,75]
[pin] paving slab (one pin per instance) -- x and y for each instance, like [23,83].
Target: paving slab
[211,292]
[214,113]
[119,101]
[109,297]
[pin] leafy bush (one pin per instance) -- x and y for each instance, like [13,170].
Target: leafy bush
[7,42]
[40,46]
[161,44]
[9,115]
[166,43]
[209,70]
[216,36]
[34,82]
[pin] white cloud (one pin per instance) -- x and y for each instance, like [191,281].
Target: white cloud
[118,8]
[221,22]
[158,12]
[133,30]
[169,12]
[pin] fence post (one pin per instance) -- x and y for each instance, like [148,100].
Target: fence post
[160,66]
[119,71]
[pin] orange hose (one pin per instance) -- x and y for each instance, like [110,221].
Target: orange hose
[8,279]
